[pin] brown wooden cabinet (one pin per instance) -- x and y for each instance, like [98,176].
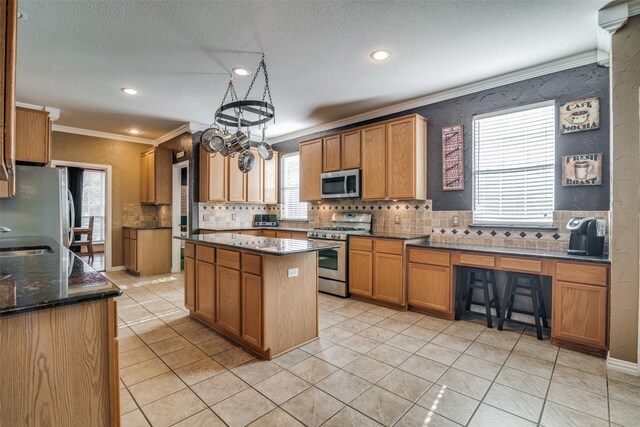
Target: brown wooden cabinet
[205,290]
[228,299]
[270,179]
[430,288]
[33,136]
[254,177]
[189,282]
[350,149]
[406,167]
[388,278]
[331,153]
[310,170]
[283,234]
[147,251]
[155,176]
[580,313]
[8,45]
[252,309]
[213,177]
[237,183]
[374,162]
[361,273]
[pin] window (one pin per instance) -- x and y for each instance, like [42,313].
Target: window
[292,208]
[513,166]
[93,202]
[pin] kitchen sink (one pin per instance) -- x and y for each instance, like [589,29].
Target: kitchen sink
[25,251]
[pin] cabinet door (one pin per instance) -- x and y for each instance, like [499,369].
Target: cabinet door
[387,278]
[430,287]
[131,254]
[350,146]
[310,170]
[151,176]
[237,182]
[126,252]
[373,163]
[228,300]
[190,283]
[580,313]
[331,154]
[33,129]
[217,178]
[270,179]
[361,273]
[144,177]
[254,180]
[252,309]
[9,33]
[401,159]
[205,291]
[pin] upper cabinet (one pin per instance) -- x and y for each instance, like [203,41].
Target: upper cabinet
[374,162]
[350,149]
[33,136]
[331,154]
[407,158]
[310,169]
[8,43]
[222,181]
[155,177]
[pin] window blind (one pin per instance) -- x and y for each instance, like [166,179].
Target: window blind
[513,155]
[291,207]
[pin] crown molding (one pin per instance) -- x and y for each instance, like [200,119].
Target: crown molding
[634,8]
[573,61]
[612,18]
[54,113]
[105,135]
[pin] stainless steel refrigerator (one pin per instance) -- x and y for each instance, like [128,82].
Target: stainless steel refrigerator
[42,205]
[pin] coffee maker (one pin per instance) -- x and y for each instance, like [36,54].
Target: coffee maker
[587,236]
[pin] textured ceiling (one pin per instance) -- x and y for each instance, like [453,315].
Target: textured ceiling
[76,55]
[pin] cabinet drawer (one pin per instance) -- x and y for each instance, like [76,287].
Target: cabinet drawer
[427,256]
[521,264]
[205,253]
[581,273]
[477,260]
[389,246]
[133,234]
[361,243]
[189,250]
[251,263]
[125,233]
[229,259]
[299,236]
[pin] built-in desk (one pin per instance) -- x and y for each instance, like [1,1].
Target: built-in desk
[580,286]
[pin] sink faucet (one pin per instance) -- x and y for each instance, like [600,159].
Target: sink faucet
[4,229]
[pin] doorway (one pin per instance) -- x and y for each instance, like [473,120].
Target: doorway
[179,213]
[90,185]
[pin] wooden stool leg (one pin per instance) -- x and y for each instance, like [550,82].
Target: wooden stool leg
[507,298]
[471,278]
[459,292]
[494,288]
[543,310]
[487,300]
[512,296]
[536,308]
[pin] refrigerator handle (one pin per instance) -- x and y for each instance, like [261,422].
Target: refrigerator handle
[72,222]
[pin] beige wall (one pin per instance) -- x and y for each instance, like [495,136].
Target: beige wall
[625,204]
[124,157]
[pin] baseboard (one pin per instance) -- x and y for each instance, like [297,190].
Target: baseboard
[622,366]
[117,268]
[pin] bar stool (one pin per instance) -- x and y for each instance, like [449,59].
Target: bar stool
[477,278]
[534,292]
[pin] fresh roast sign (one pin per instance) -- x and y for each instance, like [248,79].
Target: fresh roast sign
[582,169]
[576,116]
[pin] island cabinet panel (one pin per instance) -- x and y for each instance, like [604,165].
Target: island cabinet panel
[430,288]
[283,234]
[229,299]
[189,283]
[205,291]
[580,313]
[374,163]
[388,283]
[252,309]
[310,170]
[350,146]
[361,273]
[147,252]
[331,154]
[213,177]
[270,179]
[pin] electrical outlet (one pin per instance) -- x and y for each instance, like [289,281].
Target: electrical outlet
[396,219]
[310,216]
[455,220]
[233,217]
[293,272]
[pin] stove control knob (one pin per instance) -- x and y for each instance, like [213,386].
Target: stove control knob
[324,235]
[335,236]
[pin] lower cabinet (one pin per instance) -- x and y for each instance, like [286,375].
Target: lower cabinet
[205,290]
[430,288]
[228,299]
[388,278]
[361,273]
[252,309]
[580,313]
[189,283]
[147,251]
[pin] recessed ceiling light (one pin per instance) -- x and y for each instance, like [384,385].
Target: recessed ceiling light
[129,91]
[134,131]
[241,71]
[380,55]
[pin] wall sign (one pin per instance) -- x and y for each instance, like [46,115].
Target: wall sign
[576,116]
[582,169]
[452,158]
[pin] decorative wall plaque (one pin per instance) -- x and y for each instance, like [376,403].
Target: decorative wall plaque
[576,116]
[452,158]
[582,169]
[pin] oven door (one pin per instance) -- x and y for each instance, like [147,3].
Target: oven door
[332,263]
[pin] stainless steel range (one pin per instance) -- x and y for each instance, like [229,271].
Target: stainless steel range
[332,263]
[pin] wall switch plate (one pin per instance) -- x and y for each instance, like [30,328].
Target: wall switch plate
[455,220]
[396,219]
[293,272]
[233,217]
[206,217]
[310,216]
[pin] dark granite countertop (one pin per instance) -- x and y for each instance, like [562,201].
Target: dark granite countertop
[266,245]
[35,282]
[147,228]
[501,250]
[301,230]
[397,235]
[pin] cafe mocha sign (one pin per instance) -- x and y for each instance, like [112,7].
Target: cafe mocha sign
[576,116]
[582,169]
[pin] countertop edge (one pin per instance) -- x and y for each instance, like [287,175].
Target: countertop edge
[260,251]
[61,303]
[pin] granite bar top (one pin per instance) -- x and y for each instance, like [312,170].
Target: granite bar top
[35,282]
[147,228]
[397,235]
[265,245]
[219,230]
[501,250]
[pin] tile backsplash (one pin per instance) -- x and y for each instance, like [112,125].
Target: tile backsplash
[137,215]
[228,216]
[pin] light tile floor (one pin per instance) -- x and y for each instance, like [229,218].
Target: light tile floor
[371,366]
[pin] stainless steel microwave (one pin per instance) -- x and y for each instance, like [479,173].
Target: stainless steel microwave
[341,184]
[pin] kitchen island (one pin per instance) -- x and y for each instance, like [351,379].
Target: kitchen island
[58,333]
[261,292]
